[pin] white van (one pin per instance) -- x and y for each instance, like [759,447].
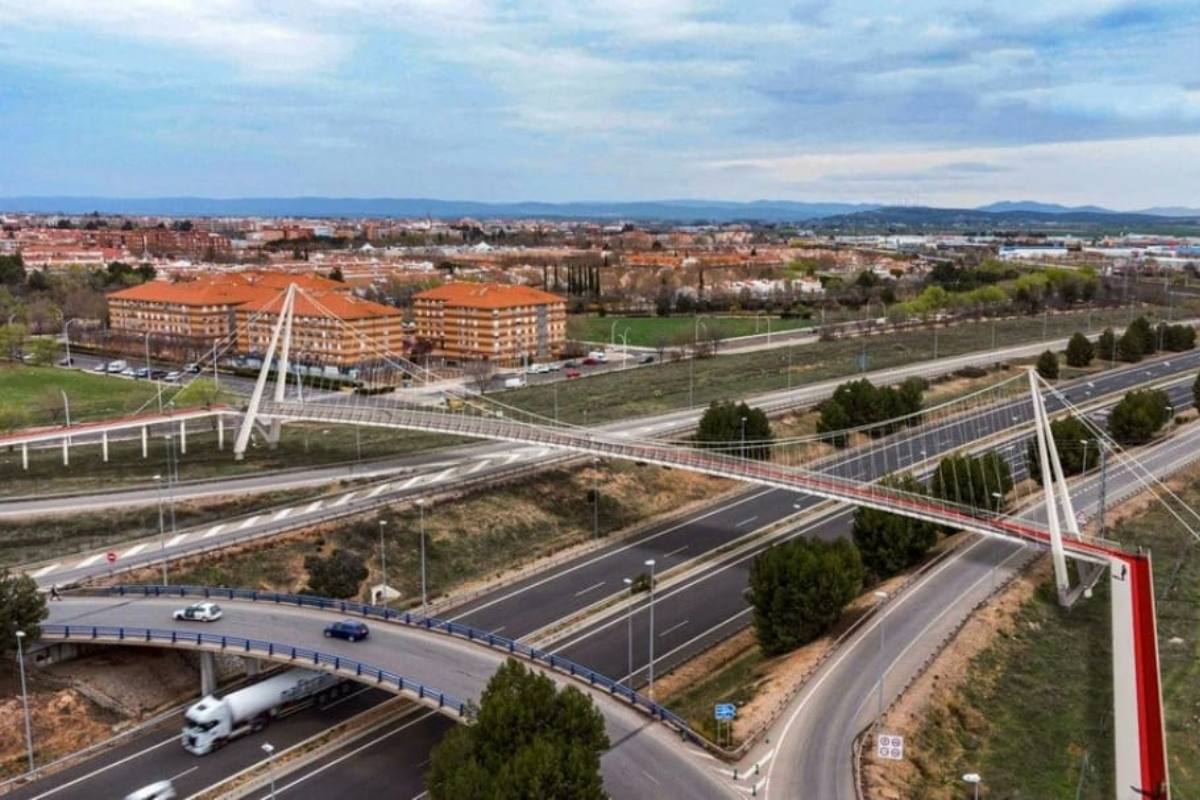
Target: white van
[116,367]
[599,355]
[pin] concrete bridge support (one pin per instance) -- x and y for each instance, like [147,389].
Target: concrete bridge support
[208,674]
[253,666]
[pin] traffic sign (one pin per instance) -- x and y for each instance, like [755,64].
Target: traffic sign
[111,556]
[889,747]
[724,711]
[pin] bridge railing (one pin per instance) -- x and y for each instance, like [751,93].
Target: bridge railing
[457,629]
[242,645]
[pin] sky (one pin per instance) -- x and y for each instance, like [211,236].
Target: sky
[953,103]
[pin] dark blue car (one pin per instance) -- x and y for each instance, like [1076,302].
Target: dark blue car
[350,629]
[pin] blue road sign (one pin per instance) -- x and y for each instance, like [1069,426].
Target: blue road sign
[724,711]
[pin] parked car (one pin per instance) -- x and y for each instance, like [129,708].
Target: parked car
[141,372]
[159,790]
[349,629]
[572,373]
[569,365]
[66,362]
[590,362]
[130,372]
[191,367]
[116,366]
[199,612]
[173,377]
[646,360]
[101,367]
[157,374]
[599,355]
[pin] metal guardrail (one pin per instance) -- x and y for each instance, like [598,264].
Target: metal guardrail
[456,629]
[316,658]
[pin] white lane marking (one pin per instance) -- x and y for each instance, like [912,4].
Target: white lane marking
[349,754]
[214,530]
[374,492]
[408,484]
[651,777]
[45,570]
[174,540]
[173,739]
[746,522]
[590,588]
[512,457]
[496,631]
[672,629]
[677,551]
[248,522]
[341,501]
[133,551]
[185,772]
[87,562]
[479,466]
[314,506]
[443,475]
[280,514]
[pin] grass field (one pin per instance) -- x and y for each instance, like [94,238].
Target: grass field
[50,537]
[1042,698]
[299,445]
[33,395]
[664,387]
[653,331]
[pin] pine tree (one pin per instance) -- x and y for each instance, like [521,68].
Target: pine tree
[1079,351]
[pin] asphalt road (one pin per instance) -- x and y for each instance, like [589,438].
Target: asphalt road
[521,609]
[644,757]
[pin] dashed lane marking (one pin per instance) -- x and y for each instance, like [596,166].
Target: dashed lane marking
[87,562]
[590,588]
[45,570]
[176,539]
[346,498]
[479,466]
[745,522]
[214,530]
[280,514]
[374,492]
[314,506]
[672,629]
[133,551]
[248,523]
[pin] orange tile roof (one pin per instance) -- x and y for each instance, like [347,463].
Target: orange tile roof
[489,295]
[203,292]
[324,304]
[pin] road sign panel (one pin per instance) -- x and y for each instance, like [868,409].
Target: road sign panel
[724,711]
[889,746]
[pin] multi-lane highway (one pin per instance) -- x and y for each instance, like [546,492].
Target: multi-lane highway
[524,608]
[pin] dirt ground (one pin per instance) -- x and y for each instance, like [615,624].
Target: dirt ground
[936,688]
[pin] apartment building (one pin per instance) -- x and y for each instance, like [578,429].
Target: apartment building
[330,325]
[491,322]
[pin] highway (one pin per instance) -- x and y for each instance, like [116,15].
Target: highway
[644,757]
[572,586]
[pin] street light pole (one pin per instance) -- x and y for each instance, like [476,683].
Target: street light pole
[269,749]
[162,532]
[629,671]
[424,597]
[595,498]
[882,598]
[66,408]
[383,562]
[650,564]
[25,697]
[148,374]
[743,437]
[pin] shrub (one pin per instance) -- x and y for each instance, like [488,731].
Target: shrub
[338,576]
[1079,351]
[1139,416]
[1047,366]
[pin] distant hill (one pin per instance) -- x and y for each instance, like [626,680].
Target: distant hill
[664,210]
[1171,211]
[1007,206]
[918,217]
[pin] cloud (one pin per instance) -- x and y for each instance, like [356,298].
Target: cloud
[1136,102]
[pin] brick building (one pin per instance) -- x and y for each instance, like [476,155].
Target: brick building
[491,322]
[187,317]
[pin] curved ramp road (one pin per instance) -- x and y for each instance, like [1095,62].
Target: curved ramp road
[646,759]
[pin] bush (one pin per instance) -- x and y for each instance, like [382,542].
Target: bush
[889,543]
[528,740]
[338,576]
[1106,345]
[1139,416]
[799,588]
[861,403]
[1047,366]
[1146,336]
[722,425]
[22,608]
[1129,346]
[1068,433]
[973,481]
[1079,351]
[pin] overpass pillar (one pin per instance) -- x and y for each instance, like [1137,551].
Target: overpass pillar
[104,446]
[145,442]
[273,434]
[182,437]
[25,456]
[253,666]
[208,674]
[66,452]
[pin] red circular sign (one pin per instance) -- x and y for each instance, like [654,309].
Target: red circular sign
[111,556]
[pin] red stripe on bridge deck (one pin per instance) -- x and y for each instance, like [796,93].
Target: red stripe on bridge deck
[1149,700]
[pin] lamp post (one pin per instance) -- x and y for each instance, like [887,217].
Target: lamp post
[974,779]
[269,749]
[650,690]
[25,696]
[595,498]
[66,408]
[421,512]
[148,374]
[629,671]
[1084,442]
[67,337]
[743,437]
[881,597]
[383,562]
[162,532]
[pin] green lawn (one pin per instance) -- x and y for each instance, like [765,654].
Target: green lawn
[33,395]
[1042,698]
[665,387]
[653,331]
